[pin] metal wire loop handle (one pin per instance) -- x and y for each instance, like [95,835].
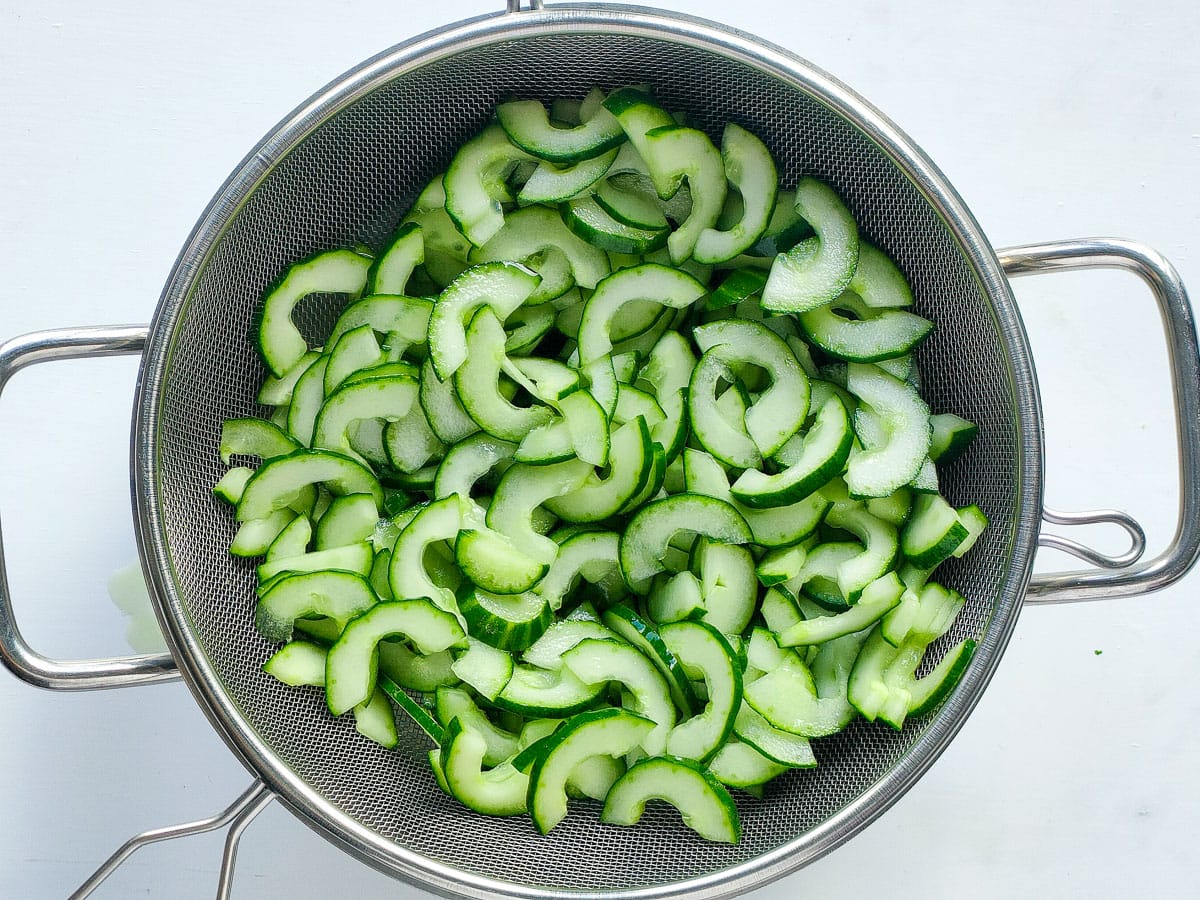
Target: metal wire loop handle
[1175,311]
[238,815]
[515,5]
[15,652]
[1137,536]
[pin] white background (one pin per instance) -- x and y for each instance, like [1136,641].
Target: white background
[1077,774]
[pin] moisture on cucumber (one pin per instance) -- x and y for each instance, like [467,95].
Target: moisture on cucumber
[613,476]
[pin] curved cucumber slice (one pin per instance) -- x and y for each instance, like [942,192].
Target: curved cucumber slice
[477,383]
[351,665]
[882,469]
[499,791]
[867,335]
[456,703]
[524,488]
[474,184]
[703,803]
[603,661]
[878,598]
[554,694]
[298,663]
[673,153]
[553,184]
[650,281]
[822,452]
[751,170]
[405,320]
[650,531]
[612,732]
[527,124]
[254,437]
[561,636]
[779,410]
[704,654]
[780,747]
[877,281]
[405,251]
[390,399]
[818,269]
[508,622]
[500,286]
[468,461]
[336,595]
[408,576]
[334,272]
[635,630]
[491,562]
[280,482]
[599,498]
[536,229]
[741,765]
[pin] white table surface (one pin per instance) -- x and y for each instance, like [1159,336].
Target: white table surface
[1077,774]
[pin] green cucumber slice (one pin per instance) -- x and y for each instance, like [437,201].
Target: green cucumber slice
[333,272]
[704,805]
[818,269]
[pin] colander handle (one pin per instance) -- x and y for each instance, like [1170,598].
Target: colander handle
[25,662]
[1124,575]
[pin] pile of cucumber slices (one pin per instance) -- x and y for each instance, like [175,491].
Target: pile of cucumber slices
[613,473]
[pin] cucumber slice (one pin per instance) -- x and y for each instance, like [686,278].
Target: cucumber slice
[335,272]
[499,286]
[878,598]
[612,732]
[403,320]
[673,153]
[522,489]
[298,664]
[849,329]
[455,703]
[499,791]
[780,747]
[778,411]
[277,391]
[750,169]
[628,625]
[254,437]
[555,694]
[474,184]
[933,532]
[547,651]
[704,654]
[351,665]
[477,383]
[336,595]
[484,668]
[599,498]
[393,267]
[881,469]
[877,281]
[281,481]
[537,229]
[508,622]
[604,661]
[527,124]
[587,218]
[550,183]
[468,461]
[741,765]
[644,543]
[704,805]
[818,269]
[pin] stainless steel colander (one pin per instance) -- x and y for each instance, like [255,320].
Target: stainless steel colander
[340,171]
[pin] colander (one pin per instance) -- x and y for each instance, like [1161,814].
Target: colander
[340,171]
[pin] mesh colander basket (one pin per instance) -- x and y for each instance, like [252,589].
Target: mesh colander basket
[339,172]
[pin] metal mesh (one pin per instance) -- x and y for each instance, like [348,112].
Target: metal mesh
[348,183]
